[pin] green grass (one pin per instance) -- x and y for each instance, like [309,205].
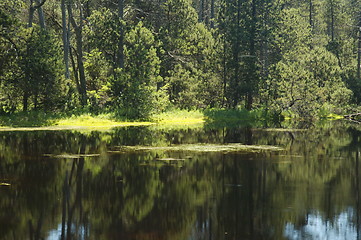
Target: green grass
[169,119]
[102,120]
[239,117]
[179,117]
[87,120]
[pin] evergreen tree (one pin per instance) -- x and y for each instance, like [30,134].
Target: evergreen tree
[135,88]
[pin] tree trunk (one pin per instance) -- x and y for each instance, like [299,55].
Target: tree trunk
[224,75]
[31,14]
[25,101]
[359,55]
[32,9]
[121,31]
[79,54]
[236,52]
[201,11]
[311,14]
[265,45]
[332,21]
[212,13]
[41,14]
[252,59]
[65,39]
[75,70]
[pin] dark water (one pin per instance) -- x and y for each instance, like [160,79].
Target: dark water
[311,190]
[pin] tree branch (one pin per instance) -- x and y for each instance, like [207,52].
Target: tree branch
[40,4]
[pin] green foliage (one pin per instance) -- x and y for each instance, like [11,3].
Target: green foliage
[284,57]
[192,77]
[29,119]
[306,80]
[135,89]
[41,68]
[309,75]
[31,70]
[97,70]
[181,19]
[183,85]
[102,33]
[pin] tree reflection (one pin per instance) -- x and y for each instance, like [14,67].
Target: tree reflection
[314,182]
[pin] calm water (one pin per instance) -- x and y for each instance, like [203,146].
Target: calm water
[311,190]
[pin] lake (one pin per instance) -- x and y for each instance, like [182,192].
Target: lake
[180,183]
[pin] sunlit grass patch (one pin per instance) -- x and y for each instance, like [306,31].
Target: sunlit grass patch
[102,120]
[179,117]
[333,116]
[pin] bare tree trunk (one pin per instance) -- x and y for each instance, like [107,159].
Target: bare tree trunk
[41,14]
[31,13]
[359,55]
[121,31]
[224,76]
[236,52]
[201,11]
[32,9]
[79,53]
[25,100]
[265,44]
[65,39]
[311,14]
[252,59]
[75,70]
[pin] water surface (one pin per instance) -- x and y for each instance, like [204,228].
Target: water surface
[73,185]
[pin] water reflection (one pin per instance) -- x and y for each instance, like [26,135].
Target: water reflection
[59,190]
[317,227]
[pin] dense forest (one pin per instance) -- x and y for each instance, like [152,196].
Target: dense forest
[136,57]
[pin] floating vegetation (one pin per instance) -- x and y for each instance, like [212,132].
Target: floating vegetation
[234,147]
[170,159]
[280,129]
[291,156]
[4,184]
[71,156]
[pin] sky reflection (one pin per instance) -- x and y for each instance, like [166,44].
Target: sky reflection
[341,227]
[80,233]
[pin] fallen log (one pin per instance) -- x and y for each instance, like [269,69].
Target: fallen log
[350,116]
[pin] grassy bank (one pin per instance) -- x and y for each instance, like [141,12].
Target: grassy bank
[88,120]
[217,117]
